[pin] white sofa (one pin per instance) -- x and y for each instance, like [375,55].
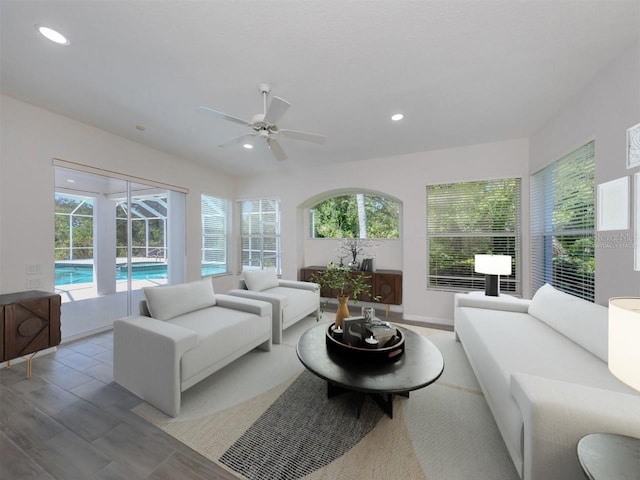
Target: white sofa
[190,333]
[542,366]
[291,300]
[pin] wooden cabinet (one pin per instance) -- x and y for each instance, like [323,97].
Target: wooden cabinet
[30,322]
[386,284]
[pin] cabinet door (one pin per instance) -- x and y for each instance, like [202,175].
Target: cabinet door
[26,327]
[385,287]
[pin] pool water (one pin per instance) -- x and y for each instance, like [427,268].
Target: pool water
[70,274]
[74,273]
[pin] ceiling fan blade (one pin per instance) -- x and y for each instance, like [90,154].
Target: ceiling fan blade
[239,139]
[307,137]
[276,149]
[231,118]
[276,109]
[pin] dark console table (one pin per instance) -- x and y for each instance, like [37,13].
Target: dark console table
[385,284]
[29,322]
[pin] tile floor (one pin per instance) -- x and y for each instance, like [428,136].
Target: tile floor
[71,421]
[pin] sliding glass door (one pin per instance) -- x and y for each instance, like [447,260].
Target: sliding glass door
[113,238]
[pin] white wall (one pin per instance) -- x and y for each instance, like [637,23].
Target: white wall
[30,138]
[603,111]
[405,178]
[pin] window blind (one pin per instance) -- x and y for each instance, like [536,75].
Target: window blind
[260,234]
[214,212]
[468,218]
[562,224]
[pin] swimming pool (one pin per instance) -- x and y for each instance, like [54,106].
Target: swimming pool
[73,273]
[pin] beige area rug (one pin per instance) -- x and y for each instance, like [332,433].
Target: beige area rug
[442,432]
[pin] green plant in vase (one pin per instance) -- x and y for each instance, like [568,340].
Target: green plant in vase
[344,284]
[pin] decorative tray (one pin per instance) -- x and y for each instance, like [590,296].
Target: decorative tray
[359,349]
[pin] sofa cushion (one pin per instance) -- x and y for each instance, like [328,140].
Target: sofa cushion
[221,333]
[168,302]
[259,280]
[298,302]
[584,322]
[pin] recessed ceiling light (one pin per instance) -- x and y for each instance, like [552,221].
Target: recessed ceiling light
[70,181]
[397,116]
[52,35]
[248,146]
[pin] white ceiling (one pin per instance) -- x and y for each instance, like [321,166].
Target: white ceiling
[462,72]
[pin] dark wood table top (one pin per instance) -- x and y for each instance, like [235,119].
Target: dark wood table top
[420,365]
[607,456]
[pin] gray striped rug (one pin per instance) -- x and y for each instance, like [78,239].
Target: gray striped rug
[301,432]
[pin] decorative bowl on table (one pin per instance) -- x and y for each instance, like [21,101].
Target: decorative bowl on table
[360,344]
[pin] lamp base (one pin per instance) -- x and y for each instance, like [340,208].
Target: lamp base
[492,285]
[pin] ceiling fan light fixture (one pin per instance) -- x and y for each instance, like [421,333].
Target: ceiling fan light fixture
[52,35]
[396,117]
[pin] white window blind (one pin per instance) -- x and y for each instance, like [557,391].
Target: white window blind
[260,234]
[468,218]
[214,212]
[562,224]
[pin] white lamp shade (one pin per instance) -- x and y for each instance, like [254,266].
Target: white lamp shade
[493,264]
[624,340]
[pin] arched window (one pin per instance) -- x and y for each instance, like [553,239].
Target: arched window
[356,215]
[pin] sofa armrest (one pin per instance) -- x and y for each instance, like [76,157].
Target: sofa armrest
[299,284]
[248,304]
[492,303]
[146,359]
[558,414]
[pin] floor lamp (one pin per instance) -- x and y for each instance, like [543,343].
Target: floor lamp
[493,266]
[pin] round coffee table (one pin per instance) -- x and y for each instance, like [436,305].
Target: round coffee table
[420,365]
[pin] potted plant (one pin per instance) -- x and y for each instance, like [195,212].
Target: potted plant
[344,284]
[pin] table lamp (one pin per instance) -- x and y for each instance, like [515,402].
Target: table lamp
[493,266]
[624,340]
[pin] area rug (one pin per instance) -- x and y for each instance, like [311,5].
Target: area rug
[265,418]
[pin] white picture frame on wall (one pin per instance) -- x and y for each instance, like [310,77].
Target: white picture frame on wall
[613,204]
[636,236]
[633,146]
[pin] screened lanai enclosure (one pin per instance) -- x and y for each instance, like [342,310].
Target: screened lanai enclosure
[75,238]
[113,237]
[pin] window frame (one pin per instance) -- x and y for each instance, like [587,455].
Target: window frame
[545,233]
[476,281]
[225,206]
[312,220]
[258,238]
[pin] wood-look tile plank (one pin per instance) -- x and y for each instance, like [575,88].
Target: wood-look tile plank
[16,465]
[50,398]
[69,457]
[86,420]
[31,428]
[183,467]
[117,471]
[65,377]
[79,361]
[89,349]
[141,453]
[106,395]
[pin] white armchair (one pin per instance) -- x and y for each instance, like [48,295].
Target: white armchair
[192,334]
[291,300]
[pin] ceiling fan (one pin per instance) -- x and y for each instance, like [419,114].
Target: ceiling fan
[264,124]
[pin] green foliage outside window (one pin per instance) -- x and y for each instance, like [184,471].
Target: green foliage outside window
[73,227]
[469,218]
[356,216]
